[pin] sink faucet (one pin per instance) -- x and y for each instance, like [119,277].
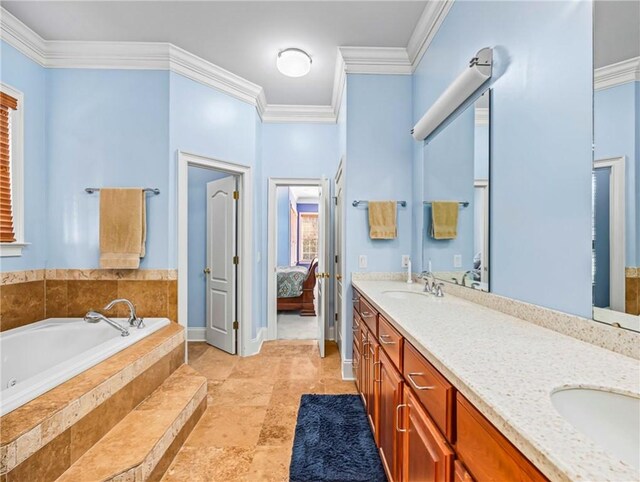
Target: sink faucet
[425,275]
[133,318]
[95,317]
[464,277]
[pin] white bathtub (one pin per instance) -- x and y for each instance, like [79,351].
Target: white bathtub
[42,355]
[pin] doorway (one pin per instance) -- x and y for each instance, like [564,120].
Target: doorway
[297,285]
[214,252]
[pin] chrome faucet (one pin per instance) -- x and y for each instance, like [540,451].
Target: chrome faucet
[428,288]
[464,277]
[133,318]
[95,317]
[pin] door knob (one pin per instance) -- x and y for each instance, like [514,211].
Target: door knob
[339,277]
[206,270]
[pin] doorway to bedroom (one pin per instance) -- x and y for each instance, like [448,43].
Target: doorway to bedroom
[297,284]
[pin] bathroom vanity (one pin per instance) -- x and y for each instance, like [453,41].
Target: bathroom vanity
[455,391]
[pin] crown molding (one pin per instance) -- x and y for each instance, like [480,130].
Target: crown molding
[617,74]
[316,114]
[430,21]
[21,37]
[375,60]
[166,56]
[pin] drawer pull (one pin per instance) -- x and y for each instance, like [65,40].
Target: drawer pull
[398,417]
[355,301]
[384,342]
[366,314]
[375,380]
[415,385]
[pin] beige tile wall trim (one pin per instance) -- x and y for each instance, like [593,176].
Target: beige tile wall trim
[365,276]
[144,469]
[615,339]
[13,277]
[632,272]
[18,450]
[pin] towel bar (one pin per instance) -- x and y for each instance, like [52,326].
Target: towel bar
[357,203]
[154,190]
[464,204]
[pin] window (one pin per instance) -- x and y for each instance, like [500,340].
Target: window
[11,172]
[308,237]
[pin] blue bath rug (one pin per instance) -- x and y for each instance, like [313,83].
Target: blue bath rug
[333,442]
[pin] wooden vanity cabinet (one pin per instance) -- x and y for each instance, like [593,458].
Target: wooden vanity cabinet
[486,453]
[356,366]
[369,316]
[426,456]
[460,473]
[390,398]
[372,383]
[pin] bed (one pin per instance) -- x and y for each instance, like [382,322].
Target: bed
[296,288]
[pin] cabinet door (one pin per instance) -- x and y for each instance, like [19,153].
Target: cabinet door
[390,389]
[356,366]
[364,366]
[372,384]
[426,455]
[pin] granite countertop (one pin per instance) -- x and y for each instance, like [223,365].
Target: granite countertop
[507,368]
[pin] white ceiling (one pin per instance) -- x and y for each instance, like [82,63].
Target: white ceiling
[242,37]
[616,31]
[305,192]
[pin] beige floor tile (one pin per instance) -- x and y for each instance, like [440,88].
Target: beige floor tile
[299,368]
[279,425]
[269,464]
[334,386]
[262,367]
[214,364]
[244,392]
[210,464]
[228,426]
[288,392]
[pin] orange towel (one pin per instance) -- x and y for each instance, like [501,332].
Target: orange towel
[444,219]
[382,220]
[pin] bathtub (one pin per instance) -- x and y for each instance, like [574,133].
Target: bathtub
[40,356]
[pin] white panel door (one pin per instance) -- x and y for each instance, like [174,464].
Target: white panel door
[221,270]
[323,265]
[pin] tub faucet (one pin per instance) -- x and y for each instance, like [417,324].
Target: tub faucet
[95,317]
[133,318]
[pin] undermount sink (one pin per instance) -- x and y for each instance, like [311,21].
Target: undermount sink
[610,419]
[404,295]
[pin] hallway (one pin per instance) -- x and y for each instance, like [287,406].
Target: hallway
[246,432]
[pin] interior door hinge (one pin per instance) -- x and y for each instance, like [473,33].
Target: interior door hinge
[236,195]
[235,325]
[335,316]
[236,260]
[336,258]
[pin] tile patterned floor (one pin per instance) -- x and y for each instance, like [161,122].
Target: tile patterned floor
[246,433]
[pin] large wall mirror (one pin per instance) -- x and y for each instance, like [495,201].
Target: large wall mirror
[455,244]
[616,167]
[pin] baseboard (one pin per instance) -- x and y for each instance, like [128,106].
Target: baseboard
[347,369]
[196,333]
[255,345]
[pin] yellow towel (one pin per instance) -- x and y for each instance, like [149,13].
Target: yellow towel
[382,220]
[123,228]
[444,219]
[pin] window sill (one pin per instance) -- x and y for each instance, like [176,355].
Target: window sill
[11,249]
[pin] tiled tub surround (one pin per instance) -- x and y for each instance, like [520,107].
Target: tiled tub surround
[507,368]
[632,291]
[43,438]
[29,296]
[42,355]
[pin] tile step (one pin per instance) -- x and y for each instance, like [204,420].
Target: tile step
[141,445]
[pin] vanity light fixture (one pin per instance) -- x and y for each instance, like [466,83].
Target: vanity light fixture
[469,81]
[293,62]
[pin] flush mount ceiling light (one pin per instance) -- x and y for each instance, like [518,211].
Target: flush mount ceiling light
[294,62]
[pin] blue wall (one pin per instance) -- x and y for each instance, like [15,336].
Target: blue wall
[197,228]
[29,78]
[617,133]
[541,145]
[378,168]
[284,229]
[105,128]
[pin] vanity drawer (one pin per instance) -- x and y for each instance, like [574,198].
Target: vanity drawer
[369,316]
[357,328]
[486,453]
[391,341]
[433,390]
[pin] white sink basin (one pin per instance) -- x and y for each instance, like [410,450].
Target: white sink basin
[405,295]
[610,419]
